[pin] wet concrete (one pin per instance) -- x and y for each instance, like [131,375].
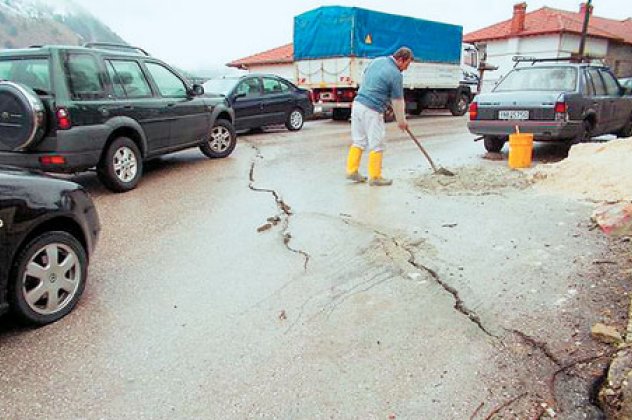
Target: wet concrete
[410,301]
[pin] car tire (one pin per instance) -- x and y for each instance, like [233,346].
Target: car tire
[295,120]
[494,144]
[33,269]
[459,106]
[341,114]
[626,130]
[585,134]
[220,141]
[121,165]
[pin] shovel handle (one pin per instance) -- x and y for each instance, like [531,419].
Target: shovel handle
[412,136]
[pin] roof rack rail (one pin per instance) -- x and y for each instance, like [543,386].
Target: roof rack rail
[113,46]
[517,59]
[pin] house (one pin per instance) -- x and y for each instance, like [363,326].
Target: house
[549,32]
[279,61]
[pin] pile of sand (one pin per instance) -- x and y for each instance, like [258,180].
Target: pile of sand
[592,171]
[474,180]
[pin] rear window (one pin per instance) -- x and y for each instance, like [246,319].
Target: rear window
[539,79]
[32,72]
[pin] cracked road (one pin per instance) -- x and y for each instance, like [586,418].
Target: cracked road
[265,285]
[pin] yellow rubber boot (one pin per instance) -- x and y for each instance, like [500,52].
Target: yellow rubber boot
[353,164]
[375,170]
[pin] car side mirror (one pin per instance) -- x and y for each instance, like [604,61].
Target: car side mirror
[197,90]
[238,96]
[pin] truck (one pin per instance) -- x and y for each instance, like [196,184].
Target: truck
[333,45]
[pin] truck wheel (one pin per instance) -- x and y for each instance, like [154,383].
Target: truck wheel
[459,106]
[494,144]
[389,115]
[121,165]
[221,141]
[341,114]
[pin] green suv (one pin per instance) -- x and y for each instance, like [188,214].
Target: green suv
[69,109]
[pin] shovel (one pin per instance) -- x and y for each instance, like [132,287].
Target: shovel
[437,171]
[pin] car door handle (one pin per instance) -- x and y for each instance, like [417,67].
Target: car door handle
[128,107]
[171,104]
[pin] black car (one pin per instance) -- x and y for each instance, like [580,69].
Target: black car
[48,229]
[261,100]
[68,109]
[556,101]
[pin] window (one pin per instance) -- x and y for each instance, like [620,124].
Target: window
[600,88]
[250,87]
[84,76]
[168,83]
[539,79]
[612,88]
[33,72]
[128,79]
[271,86]
[286,87]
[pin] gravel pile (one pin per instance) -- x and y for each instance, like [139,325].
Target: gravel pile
[474,180]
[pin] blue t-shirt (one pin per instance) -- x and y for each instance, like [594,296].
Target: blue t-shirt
[382,82]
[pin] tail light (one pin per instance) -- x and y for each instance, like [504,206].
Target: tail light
[63,119]
[52,160]
[310,94]
[473,111]
[561,110]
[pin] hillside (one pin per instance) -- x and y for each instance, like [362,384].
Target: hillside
[37,22]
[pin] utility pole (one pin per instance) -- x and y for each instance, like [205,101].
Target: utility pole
[582,41]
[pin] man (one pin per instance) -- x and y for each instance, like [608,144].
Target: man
[382,84]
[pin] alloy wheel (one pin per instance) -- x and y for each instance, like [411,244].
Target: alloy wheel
[296,119]
[51,279]
[125,164]
[220,139]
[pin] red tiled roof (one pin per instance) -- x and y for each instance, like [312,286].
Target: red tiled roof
[550,21]
[280,55]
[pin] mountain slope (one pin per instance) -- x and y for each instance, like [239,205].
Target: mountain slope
[36,22]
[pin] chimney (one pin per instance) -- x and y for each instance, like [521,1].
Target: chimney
[517,22]
[582,9]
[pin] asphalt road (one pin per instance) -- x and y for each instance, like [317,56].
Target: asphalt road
[357,302]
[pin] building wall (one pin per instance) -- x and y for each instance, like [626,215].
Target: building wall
[619,59]
[284,70]
[501,52]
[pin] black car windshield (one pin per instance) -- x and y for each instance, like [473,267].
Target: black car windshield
[32,72]
[220,86]
[539,79]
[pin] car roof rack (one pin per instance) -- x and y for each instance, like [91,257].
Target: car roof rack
[114,46]
[517,59]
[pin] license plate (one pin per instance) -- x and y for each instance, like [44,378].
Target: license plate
[513,115]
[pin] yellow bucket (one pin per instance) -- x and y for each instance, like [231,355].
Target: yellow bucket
[520,150]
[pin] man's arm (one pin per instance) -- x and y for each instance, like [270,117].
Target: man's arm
[398,103]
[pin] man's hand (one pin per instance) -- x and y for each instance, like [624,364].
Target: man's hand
[402,125]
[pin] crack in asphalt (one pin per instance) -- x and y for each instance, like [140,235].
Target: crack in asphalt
[539,345]
[285,209]
[459,305]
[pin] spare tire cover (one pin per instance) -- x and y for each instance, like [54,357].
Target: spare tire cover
[22,116]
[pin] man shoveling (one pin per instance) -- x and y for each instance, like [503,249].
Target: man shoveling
[382,84]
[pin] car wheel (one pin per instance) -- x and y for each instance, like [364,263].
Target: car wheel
[295,120]
[626,131]
[494,144]
[585,134]
[460,105]
[121,165]
[48,277]
[221,140]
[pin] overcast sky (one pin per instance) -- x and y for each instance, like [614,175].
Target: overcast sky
[199,34]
